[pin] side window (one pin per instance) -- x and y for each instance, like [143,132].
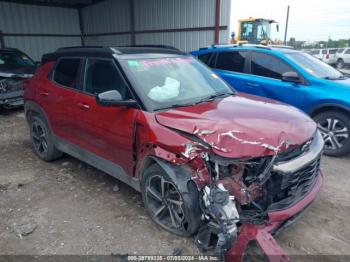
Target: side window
[231,61]
[268,66]
[102,76]
[208,59]
[347,51]
[66,72]
[204,58]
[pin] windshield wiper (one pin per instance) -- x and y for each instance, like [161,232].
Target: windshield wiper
[212,97]
[174,106]
[335,78]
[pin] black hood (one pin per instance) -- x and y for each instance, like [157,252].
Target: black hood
[17,69]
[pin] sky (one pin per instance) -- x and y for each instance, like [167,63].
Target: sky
[309,20]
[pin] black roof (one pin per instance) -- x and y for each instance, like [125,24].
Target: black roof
[108,52]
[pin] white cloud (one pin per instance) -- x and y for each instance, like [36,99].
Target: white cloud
[308,20]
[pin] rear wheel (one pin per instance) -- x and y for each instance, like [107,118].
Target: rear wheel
[340,63]
[335,129]
[42,140]
[173,210]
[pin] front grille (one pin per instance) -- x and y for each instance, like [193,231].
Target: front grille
[289,188]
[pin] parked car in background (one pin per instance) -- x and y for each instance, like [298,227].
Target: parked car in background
[15,68]
[206,159]
[343,57]
[317,53]
[292,77]
[328,56]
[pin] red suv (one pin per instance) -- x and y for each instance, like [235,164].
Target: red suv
[229,167]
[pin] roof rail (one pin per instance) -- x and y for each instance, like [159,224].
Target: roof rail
[152,46]
[282,46]
[78,47]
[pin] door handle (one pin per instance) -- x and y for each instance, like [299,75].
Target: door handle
[252,84]
[84,106]
[43,93]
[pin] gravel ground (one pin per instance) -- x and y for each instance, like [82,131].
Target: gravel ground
[68,207]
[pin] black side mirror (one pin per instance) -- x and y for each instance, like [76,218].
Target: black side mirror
[114,98]
[291,77]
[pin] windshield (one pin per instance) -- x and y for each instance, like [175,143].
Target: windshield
[17,59]
[314,66]
[171,82]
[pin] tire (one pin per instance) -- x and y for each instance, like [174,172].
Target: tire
[42,140]
[335,129]
[185,218]
[340,64]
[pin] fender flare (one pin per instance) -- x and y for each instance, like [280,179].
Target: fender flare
[32,106]
[325,105]
[178,174]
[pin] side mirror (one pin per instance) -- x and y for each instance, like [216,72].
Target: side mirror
[114,98]
[291,77]
[277,27]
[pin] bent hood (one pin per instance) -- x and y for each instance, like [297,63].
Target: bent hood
[242,126]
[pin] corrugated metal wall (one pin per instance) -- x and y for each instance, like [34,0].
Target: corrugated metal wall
[30,19]
[156,15]
[112,16]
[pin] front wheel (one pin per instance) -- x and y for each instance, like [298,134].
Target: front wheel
[171,209]
[335,129]
[340,64]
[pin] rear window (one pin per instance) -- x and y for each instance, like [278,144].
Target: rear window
[231,61]
[67,71]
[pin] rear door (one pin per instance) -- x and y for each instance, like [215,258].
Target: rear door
[231,66]
[266,79]
[57,95]
[106,131]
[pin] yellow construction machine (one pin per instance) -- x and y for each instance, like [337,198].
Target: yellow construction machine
[255,31]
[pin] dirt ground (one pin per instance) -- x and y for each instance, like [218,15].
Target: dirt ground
[68,207]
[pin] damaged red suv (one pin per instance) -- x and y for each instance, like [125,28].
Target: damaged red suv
[227,167]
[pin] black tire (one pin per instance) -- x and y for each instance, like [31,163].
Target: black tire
[340,63]
[335,129]
[42,140]
[186,215]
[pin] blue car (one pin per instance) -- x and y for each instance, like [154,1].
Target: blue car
[292,77]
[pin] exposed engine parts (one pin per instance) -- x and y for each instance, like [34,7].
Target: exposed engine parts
[220,215]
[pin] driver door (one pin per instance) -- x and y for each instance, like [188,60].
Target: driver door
[266,80]
[105,131]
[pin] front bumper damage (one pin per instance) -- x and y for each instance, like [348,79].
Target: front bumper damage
[11,92]
[263,234]
[286,188]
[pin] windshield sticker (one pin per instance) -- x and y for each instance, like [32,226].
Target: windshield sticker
[214,76]
[165,61]
[25,58]
[169,90]
[133,63]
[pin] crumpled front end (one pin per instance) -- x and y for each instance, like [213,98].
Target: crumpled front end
[252,178]
[269,192]
[12,90]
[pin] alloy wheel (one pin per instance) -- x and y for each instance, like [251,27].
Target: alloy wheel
[39,137]
[334,133]
[165,204]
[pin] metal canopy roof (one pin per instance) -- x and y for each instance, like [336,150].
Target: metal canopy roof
[58,3]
